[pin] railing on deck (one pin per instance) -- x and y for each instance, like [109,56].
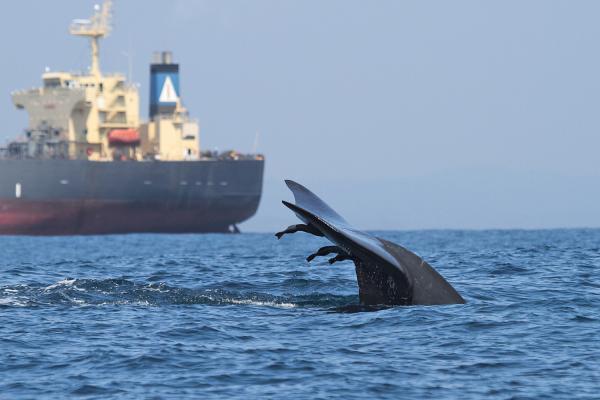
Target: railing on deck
[62,150]
[229,155]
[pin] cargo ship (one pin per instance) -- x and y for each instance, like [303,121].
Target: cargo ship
[87,164]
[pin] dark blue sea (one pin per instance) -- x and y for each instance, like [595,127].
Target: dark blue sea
[245,316]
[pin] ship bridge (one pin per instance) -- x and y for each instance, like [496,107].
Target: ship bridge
[89,114]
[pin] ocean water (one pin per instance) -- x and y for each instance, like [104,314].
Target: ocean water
[244,316]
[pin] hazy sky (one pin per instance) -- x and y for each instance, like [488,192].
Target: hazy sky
[400,114]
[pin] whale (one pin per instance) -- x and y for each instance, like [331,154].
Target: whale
[387,273]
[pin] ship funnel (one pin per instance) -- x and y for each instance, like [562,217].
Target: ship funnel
[164,84]
[162,57]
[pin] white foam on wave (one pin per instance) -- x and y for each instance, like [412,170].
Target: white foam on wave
[160,288]
[64,282]
[261,303]
[142,303]
[12,301]
[71,299]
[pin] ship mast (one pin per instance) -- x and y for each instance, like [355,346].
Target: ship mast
[98,26]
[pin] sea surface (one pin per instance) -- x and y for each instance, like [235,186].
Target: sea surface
[245,316]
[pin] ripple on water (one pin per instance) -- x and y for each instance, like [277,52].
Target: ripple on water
[244,316]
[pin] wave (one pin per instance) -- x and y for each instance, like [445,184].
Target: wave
[120,291]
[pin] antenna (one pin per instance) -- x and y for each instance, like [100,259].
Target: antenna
[98,26]
[129,56]
[255,147]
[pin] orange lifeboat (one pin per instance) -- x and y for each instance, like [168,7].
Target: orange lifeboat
[121,137]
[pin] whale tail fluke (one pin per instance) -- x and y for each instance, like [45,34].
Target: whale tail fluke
[387,274]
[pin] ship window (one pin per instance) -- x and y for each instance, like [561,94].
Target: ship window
[53,82]
[120,117]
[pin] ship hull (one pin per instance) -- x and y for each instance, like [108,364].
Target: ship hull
[61,197]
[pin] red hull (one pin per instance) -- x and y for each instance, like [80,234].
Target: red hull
[73,217]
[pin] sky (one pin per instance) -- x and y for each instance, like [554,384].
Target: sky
[400,114]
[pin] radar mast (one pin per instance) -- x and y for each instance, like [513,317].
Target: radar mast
[98,26]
